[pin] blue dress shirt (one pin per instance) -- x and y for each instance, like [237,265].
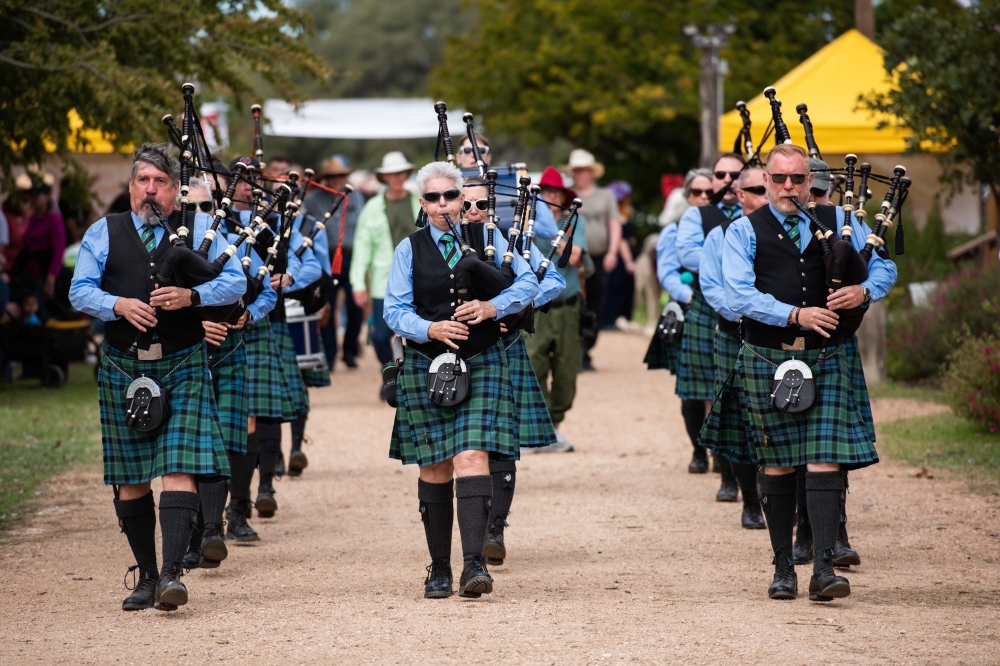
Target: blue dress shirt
[668,266]
[691,236]
[320,246]
[739,278]
[710,275]
[400,313]
[303,271]
[85,291]
[552,283]
[268,297]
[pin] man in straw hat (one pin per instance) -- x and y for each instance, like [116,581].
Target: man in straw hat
[385,221]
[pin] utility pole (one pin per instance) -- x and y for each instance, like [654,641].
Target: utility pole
[713,69]
[864,18]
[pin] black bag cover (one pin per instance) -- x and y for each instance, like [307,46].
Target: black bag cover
[670,328]
[794,389]
[147,407]
[448,382]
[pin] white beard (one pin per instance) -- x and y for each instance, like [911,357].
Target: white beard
[785,207]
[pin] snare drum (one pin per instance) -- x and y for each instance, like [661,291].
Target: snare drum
[304,331]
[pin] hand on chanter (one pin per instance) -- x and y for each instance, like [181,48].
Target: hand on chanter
[818,319]
[446,331]
[475,312]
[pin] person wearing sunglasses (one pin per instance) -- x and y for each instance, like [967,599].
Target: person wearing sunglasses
[775,278]
[422,306]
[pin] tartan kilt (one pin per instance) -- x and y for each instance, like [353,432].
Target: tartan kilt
[232,395]
[534,424]
[294,386]
[317,377]
[190,442]
[725,431]
[660,355]
[860,397]
[425,434]
[265,380]
[833,430]
[696,362]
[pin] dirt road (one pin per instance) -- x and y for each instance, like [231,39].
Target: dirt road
[616,554]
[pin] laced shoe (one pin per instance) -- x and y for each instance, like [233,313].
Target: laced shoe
[698,464]
[297,462]
[825,585]
[266,504]
[802,551]
[753,519]
[476,580]
[439,580]
[785,584]
[170,591]
[728,492]
[844,555]
[213,548]
[143,592]
[494,549]
[237,527]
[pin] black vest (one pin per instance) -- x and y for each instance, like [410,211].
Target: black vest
[711,217]
[130,272]
[435,293]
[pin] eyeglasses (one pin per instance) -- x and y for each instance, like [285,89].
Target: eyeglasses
[480,204]
[699,193]
[818,191]
[759,190]
[467,150]
[779,178]
[449,195]
[733,175]
[206,206]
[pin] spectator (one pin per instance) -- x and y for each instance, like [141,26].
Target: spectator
[4,242]
[279,165]
[43,242]
[28,310]
[621,283]
[16,211]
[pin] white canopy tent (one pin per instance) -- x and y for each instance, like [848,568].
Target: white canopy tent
[359,119]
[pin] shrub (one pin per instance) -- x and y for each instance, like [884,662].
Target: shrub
[972,379]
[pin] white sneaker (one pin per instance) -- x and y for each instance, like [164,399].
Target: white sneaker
[561,445]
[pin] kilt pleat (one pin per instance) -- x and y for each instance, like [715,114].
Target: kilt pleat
[726,430]
[534,424]
[317,377]
[425,434]
[696,361]
[265,380]
[860,388]
[661,356]
[294,386]
[190,442]
[228,364]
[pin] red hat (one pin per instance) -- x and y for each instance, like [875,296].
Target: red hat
[552,178]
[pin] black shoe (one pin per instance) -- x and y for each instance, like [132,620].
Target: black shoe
[193,559]
[785,584]
[297,462]
[213,548]
[494,550]
[266,504]
[698,465]
[279,466]
[475,580]
[237,527]
[143,594]
[802,551]
[825,585]
[170,591]
[728,492]
[439,579]
[752,518]
[351,362]
[844,555]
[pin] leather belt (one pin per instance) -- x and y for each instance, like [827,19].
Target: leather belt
[560,302]
[790,342]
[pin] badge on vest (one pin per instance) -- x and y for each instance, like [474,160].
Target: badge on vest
[794,389]
[448,382]
[671,324]
[146,407]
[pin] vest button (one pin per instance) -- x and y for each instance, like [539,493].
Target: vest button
[453,317]
[802,261]
[451,291]
[803,302]
[803,288]
[803,275]
[452,276]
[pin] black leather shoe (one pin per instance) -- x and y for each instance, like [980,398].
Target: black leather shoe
[752,518]
[802,551]
[844,555]
[266,504]
[193,559]
[475,580]
[213,548]
[439,580]
[351,362]
[698,465]
[494,550]
[785,584]
[170,591]
[237,527]
[728,492]
[143,595]
[297,462]
[825,585]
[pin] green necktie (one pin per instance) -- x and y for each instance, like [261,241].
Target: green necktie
[732,212]
[450,250]
[148,238]
[792,225]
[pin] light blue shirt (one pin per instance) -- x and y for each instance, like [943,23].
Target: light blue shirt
[552,283]
[268,297]
[710,276]
[400,312]
[691,236]
[668,266]
[320,246]
[303,271]
[85,291]
[739,278]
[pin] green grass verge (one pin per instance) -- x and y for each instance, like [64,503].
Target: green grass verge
[917,391]
[44,432]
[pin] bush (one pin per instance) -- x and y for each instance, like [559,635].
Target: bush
[972,379]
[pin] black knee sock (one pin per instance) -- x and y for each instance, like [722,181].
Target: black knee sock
[213,503]
[299,431]
[504,474]
[198,530]
[803,531]
[726,469]
[177,514]
[823,490]
[437,511]
[842,530]
[746,476]
[474,494]
[778,504]
[137,519]
[693,412]
[241,468]
[269,436]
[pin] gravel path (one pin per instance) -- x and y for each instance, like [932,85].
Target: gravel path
[616,554]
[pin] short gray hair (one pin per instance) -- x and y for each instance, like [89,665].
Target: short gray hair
[195,183]
[438,170]
[157,155]
[691,175]
[745,175]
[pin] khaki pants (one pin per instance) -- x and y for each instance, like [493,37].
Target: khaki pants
[556,349]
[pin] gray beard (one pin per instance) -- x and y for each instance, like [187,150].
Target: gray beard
[147,216]
[785,207]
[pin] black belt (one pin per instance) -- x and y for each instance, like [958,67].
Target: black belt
[731,328]
[559,302]
[124,347]
[791,340]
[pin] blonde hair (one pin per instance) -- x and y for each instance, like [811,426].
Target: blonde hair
[788,150]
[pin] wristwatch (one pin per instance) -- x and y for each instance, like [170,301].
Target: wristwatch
[195,298]
[868,296]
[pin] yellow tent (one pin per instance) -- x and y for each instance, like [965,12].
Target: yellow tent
[829,83]
[83,140]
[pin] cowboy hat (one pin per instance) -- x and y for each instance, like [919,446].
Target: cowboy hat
[335,166]
[583,159]
[552,178]
[393,162]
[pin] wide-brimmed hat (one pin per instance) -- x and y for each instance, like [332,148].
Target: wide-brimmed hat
[821,173]
[552,178]
[584,159]
[335,166]
[393,162]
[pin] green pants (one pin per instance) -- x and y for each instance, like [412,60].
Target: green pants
[557,350]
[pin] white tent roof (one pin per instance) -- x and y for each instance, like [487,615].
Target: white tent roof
[359,119]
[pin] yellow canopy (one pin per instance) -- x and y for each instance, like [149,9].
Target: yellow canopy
[829,83]
[85,140]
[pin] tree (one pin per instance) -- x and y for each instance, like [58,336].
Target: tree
[943,67]
[119,64]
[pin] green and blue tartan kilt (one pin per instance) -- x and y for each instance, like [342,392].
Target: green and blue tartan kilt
[295,387]
[696,362]
[228,364]
[833,430]
[660,355]
[317,377]
[265,380]
[860,396]
[726,430]
[533,420]
[190,442]
[424,433]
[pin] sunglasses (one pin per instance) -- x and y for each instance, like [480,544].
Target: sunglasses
[480,204]
[779,178]
[698,193]
[449,195]
[759,190]
[817,191]
[733,175]
[467,150]
[206,206]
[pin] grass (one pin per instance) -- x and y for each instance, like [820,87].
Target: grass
[44,432]
[928,391]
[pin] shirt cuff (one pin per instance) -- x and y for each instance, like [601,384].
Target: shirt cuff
[502,309]
[787,310]
[108,308]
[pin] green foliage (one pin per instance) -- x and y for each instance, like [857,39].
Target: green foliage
[75,187]
[119,63]
[972,378]
[925,250]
